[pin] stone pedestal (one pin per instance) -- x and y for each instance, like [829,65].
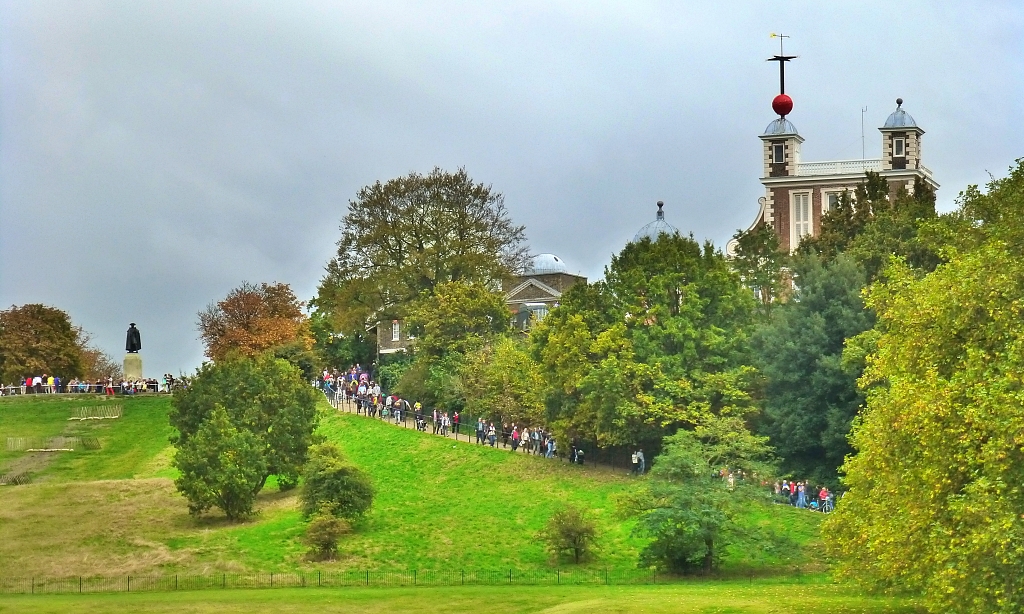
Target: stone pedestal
[132,367]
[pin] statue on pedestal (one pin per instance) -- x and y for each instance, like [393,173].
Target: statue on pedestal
[132,360]
[134,342]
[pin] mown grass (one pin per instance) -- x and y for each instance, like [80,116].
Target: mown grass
[758,597]
[134,445]
[440,504]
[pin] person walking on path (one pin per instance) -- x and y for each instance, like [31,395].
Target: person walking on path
[641,461]
[455,424]
[492,435]
[480,430]
[515,438]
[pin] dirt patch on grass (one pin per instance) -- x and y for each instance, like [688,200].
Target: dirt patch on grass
[29,462]
[90,528]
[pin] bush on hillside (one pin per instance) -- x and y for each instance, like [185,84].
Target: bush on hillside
[570,530]
[324,531]
[687,509]
[263,396]
[220,466]
[333,484]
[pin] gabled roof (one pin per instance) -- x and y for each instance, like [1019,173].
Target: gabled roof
[543,287]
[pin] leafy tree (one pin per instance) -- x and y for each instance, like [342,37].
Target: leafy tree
[455,320]
[97,364]
[570,530]
[392,369]
[935,502]
[689,507]
[409,235]
[456,317]
[873,225]
[261,395]
[252,319]
[36,339]
[220,466]
[760,263]
[502,382]
[334,485]
[810,395]
[656,346]
[339,350]
[323,532]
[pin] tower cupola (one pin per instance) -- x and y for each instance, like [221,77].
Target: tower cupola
[901,140]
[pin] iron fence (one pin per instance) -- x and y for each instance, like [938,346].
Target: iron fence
[325,579]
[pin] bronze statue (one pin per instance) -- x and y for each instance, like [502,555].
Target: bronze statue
[134,342]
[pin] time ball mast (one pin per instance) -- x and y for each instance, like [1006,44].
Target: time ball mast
[782,104]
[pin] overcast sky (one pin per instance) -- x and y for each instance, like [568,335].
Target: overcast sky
[154,155]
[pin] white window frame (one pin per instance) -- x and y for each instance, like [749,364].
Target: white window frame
[902,142]
[800,226]
[396,330]
[775,149]
[826,206]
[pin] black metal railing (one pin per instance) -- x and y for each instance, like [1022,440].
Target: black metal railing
[328,579]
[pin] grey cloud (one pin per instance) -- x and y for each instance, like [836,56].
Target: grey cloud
[155,155]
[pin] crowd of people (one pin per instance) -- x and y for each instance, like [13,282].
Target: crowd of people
[53,384]
[802,495]
[358,386]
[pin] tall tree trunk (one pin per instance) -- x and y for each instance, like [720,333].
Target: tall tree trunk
[709,553]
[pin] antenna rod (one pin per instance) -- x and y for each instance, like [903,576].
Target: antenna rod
[863,110]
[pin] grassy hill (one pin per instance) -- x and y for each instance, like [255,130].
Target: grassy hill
[441,504]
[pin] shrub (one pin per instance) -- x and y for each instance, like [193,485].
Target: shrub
[332,483]
[324,531]
[570,530]
[220,466]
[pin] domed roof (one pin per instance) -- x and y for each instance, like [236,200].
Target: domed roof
[899,118]
[545,264]
[780,127]
[658,227]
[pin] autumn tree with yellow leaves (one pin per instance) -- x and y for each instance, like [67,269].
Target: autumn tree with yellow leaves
[935,500]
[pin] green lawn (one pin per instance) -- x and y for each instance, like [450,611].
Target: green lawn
[759,597]
[441,504]
[134,445]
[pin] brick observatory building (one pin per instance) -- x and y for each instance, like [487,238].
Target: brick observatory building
[798,193]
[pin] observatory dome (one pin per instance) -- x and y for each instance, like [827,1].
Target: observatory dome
[657,227]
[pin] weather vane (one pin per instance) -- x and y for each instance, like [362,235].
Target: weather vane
[782,104]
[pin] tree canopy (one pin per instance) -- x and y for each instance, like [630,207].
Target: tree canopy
[935,502]
[871,225]
[252,319]
[698,484]
[761,262]
[655,346]
[37,339]
[409,235]
[450,324]
[261,395]
[810,394]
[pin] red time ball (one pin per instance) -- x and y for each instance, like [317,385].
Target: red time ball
[782,104]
